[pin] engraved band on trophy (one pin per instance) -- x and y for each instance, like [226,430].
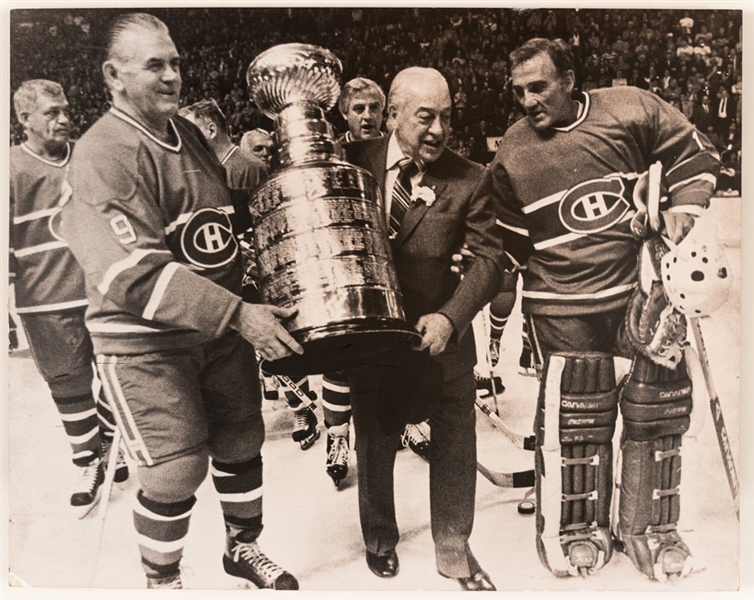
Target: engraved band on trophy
[319,229]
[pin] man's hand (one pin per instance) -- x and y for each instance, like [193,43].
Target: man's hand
[677,225]
[462,261]
[435,329]
[260,325]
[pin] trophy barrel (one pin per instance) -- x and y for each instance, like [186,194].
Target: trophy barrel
[322,249]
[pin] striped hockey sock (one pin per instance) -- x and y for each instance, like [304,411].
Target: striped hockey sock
[161,530]
[240,488]
[80,423]
[497,325]
[336,400]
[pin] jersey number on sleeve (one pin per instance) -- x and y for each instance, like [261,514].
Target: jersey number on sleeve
[123,229]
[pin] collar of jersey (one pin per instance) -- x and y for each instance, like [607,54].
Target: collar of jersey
[131,121]
[580,118]
[228,155]
[61,163]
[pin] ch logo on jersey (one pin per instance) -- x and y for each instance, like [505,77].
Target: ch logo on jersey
[54,225]
[594,205]
[207,239]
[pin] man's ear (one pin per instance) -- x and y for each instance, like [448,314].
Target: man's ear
[211,131]
[112,76]
[570,78]
[392,110]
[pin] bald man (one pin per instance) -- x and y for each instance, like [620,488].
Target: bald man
[429,207]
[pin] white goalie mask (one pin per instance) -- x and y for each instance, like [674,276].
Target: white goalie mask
[695,273]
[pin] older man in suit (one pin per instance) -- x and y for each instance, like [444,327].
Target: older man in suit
[428,191]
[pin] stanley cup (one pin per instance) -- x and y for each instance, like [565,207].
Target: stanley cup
[319,229]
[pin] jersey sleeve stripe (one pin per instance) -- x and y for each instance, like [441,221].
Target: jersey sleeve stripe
[33,216]
[120,266]
[110,327]
[159,290]
[542,202]
[52,307]
[40,248]
[700,177]
[519,230]
[181,220]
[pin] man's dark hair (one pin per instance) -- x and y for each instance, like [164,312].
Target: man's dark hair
[558,51]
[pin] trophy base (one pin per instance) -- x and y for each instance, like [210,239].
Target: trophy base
[342,347]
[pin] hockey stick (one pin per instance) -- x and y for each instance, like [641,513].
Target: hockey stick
[299,393]
[717,415]
[507,480]
[523,442]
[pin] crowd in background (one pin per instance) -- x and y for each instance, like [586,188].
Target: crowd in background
[692,59]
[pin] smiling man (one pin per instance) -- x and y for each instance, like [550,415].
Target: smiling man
[431,212]
[151,220]
[570,184]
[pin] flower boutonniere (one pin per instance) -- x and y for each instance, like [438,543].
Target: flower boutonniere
[424,193]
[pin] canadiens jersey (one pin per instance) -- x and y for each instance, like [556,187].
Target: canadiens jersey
[152,224]
[47,276]
[243,171]
[564,197]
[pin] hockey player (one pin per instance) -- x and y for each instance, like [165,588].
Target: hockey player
[49,284]
[151,220]
[243,170]
[568,180]
[362,105]
[258,142]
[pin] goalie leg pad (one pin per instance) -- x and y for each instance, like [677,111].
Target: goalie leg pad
[574,424]
[656,406]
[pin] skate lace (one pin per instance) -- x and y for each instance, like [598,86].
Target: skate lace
[413,435]
[171,582]
[338,451]
[88,480]
[302,419]
[106,449]
[254,557]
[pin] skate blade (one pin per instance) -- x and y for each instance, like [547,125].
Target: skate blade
[82,511]
[309,442]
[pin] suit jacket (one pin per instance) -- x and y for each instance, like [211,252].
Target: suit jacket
[429,236]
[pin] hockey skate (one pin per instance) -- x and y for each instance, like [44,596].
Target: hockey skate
[484,386]
[416,437]
[338,449]
[305,427]
[169,582]
[88,490]
[246,560]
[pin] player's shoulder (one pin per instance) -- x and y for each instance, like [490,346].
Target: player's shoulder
[627,99]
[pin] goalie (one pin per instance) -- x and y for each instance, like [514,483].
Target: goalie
[571,186]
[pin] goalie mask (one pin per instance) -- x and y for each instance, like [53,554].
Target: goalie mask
[695,273]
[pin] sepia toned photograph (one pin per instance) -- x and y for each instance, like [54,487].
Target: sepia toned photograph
[387,300]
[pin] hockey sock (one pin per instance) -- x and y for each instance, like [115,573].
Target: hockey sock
[79,418]
[336,400]
[240,488]
[497,324]
[161,530]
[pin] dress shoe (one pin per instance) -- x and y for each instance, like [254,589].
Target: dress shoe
[383,565]
[479,582]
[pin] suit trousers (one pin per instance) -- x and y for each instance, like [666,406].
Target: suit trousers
[452,471]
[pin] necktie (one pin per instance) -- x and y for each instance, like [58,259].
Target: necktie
[723,106]
[401,198]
